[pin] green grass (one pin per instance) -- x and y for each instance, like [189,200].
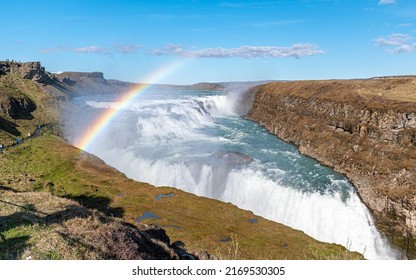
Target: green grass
[14,86]
[48,164]
[40,169]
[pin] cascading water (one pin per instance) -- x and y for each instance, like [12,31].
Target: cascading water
[194,141]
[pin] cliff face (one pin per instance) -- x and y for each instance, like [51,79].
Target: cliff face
[365,129]
[91,83]
[94,83]
[18,107]
[28,70]
[29,96]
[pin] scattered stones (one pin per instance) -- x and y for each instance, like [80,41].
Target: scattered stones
[147,215]
[160,196]
[226,239]
[233,157]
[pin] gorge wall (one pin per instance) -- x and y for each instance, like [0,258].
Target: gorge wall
[36,172]
[365,129]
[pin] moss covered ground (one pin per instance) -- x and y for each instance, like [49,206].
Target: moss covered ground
[48,164]
[45,175]
[14,86]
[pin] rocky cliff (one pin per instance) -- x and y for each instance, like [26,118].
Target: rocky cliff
[28,70]
[39,225]
[17,107]
[31,96]
[91,83]
[365,129]
[94,83]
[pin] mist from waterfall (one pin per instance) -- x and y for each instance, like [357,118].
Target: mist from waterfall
[196,141]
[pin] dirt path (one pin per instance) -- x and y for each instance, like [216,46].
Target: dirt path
[36,133]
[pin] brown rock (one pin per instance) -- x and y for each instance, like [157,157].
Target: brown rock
[371,139]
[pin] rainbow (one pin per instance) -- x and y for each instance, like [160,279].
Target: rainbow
[87,139]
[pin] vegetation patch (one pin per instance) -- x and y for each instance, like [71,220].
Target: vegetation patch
[49,165]
[57,202]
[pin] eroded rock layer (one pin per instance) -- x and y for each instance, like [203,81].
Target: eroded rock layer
[365,129]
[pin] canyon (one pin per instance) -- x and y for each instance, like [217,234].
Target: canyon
[365,129]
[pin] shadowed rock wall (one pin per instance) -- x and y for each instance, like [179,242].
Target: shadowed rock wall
[365,129]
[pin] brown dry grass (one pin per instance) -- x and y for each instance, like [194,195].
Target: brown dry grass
[14,86]
[52,165]
[395,92]
[58,228]
[325,120]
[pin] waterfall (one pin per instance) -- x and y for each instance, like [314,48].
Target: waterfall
[194,141]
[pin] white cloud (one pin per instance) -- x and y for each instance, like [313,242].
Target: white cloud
[405,24]
[47,50]
[296,50]
[117,48]
[397,43]
[129,48]
[232,5]
[395,39]
[256,3]
[403,49]
[269,24]
[92,49]
[386,2]
[168,17]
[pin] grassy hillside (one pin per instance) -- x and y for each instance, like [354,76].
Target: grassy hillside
[38,225]
[24,106]
[57,202]
[48,164]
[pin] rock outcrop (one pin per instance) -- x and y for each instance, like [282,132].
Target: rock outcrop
[28,70]
[29,96]
[63,229]
[18,107]
[92,83]
[48,163]
[365,129]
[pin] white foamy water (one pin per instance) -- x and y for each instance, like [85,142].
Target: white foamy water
[193,141]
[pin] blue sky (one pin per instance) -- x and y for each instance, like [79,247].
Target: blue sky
[211,41]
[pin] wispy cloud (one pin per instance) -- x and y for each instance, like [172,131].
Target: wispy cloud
[395,39]
[102,50]
[55,49]
[269,24]
[296,50]
[232,5]
[386,2]
[397,43]
[196,29]
[92,49]
[127,49]
[168,17]
[408,24]
[250,4]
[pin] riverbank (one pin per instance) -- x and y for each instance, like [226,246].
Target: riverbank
[48,164]
[47,168]
[36,133]
[364,129]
